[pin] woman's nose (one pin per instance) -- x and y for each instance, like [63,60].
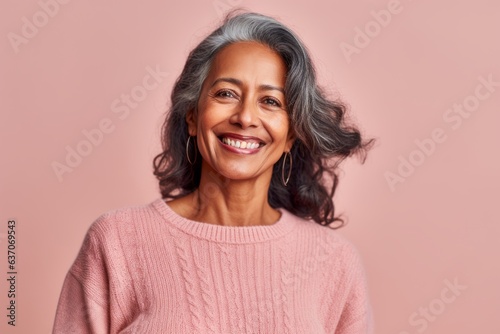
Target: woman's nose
[246,114]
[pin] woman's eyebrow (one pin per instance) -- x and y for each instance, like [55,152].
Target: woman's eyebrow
[238,82]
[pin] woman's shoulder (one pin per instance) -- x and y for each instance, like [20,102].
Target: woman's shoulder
[331,240]
[124,219]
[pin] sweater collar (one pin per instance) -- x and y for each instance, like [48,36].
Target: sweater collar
[228,234]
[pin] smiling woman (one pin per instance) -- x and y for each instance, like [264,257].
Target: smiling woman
[242,129]
[240,240]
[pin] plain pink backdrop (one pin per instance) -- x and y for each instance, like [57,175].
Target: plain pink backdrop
[436,225]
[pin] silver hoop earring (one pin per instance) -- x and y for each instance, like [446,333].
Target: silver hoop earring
[187,151]
[285,182]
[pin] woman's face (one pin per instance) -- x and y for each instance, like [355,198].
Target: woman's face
[242,126]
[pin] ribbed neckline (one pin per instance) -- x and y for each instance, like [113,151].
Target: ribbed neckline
[228,234]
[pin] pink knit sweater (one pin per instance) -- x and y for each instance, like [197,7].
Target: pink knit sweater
[145,269]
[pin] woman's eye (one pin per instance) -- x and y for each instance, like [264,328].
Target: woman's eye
[272,102]
[225,93]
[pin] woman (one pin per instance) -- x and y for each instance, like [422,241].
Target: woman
[239,241]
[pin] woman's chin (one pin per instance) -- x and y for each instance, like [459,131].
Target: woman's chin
[238,172]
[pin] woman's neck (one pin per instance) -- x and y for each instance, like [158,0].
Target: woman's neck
[228,203]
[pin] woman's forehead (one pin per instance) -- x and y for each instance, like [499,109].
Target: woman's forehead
[249,62]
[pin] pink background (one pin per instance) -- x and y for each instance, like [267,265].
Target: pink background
[435,225]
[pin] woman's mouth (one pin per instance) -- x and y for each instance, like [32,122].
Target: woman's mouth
[241,143]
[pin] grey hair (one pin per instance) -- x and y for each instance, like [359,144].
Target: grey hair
[317,122]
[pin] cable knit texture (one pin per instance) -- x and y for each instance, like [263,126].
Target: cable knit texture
[145,269]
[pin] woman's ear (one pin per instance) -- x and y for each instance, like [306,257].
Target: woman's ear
[191,122]
[290,140]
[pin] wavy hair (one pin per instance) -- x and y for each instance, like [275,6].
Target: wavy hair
[323,137]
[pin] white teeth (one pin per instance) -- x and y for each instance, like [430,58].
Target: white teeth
[239,143]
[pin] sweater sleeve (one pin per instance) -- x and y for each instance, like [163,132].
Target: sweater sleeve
[356,316]
[83,303]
